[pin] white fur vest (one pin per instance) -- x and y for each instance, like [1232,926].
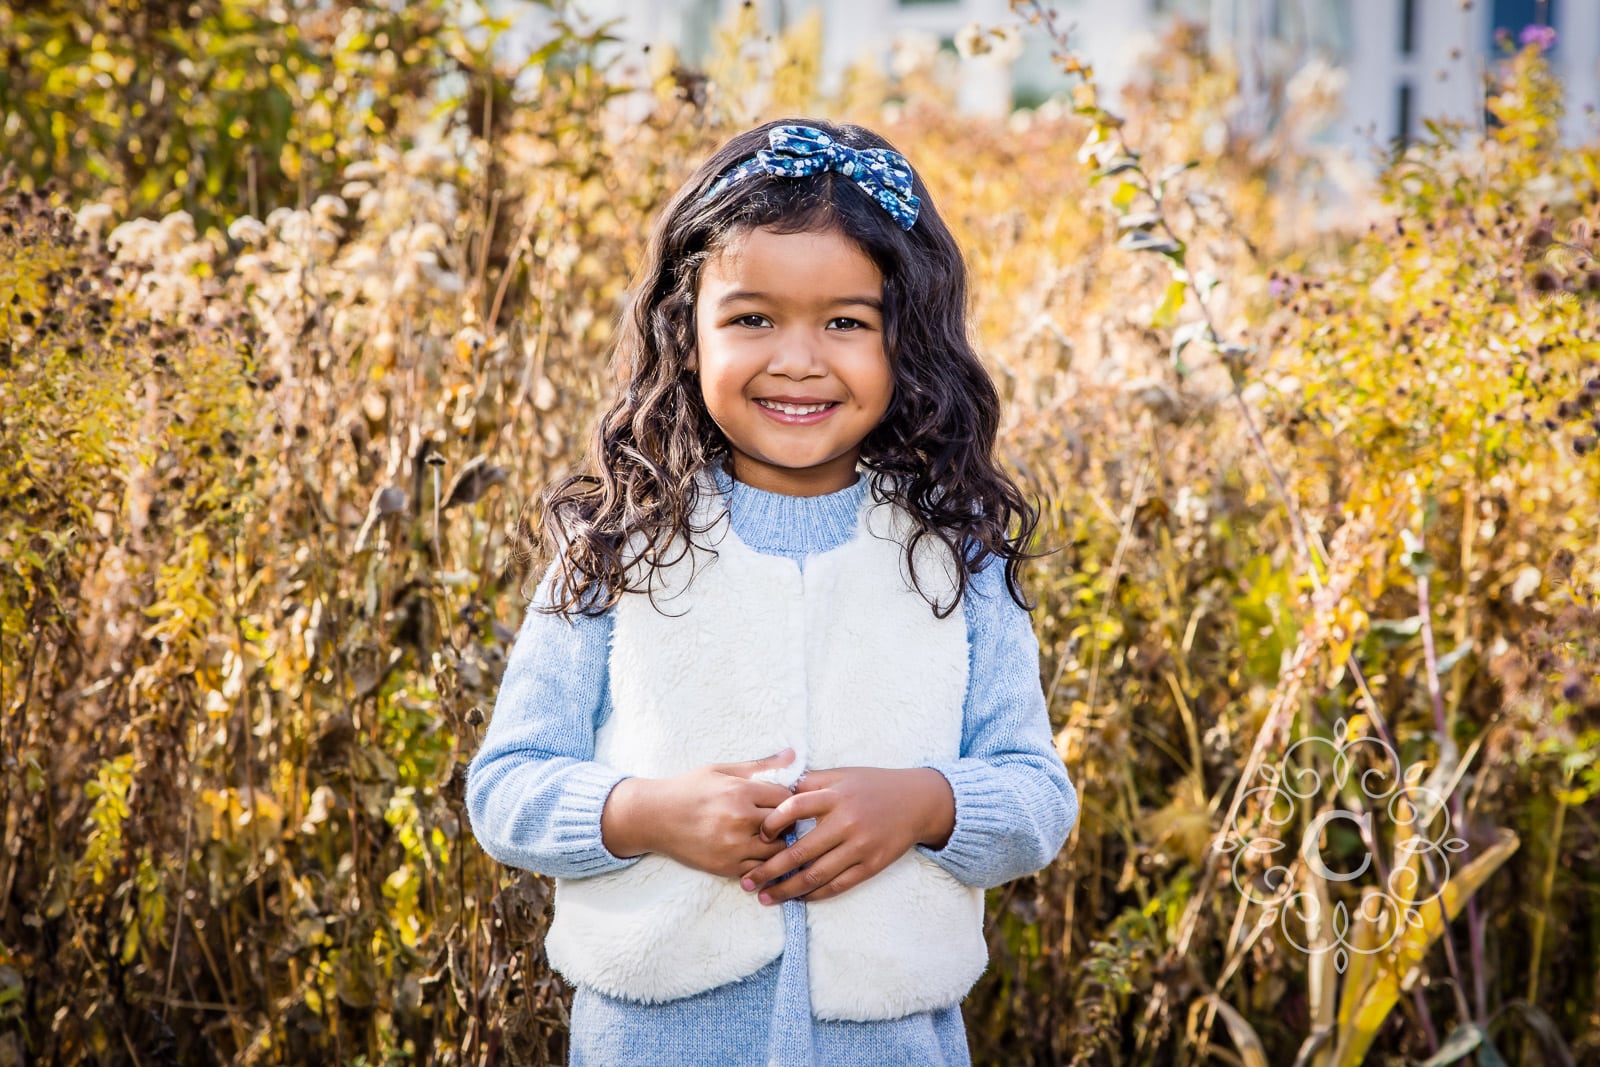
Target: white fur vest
[846,664]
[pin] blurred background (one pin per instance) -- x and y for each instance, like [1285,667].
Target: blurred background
[1292,308]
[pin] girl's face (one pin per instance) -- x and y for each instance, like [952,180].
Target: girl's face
[789,347]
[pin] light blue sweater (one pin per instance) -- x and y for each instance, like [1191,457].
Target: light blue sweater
[535,796]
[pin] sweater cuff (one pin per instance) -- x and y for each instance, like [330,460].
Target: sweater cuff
[575,829]
[985,809]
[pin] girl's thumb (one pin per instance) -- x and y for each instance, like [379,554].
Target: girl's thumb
[752,768]
[769,763]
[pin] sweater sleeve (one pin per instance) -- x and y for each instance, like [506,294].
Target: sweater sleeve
[1015,803]
[534,792]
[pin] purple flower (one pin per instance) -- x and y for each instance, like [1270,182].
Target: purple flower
[1543,36]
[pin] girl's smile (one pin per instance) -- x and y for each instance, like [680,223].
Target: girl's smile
[790,353]
[789,410]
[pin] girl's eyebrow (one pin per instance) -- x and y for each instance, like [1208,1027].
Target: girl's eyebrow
[749,294]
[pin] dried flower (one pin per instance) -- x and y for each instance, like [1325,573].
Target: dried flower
[1543,37]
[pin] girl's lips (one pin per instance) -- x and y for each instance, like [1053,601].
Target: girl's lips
[797,420]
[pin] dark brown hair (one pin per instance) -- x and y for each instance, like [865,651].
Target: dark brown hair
[936,442]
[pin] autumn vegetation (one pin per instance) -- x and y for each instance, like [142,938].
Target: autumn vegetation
[303,304]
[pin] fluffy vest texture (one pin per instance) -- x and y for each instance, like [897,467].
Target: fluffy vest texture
[739,656]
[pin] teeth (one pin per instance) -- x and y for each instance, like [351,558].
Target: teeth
[793,409]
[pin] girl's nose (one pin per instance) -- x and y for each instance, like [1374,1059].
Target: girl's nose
[796,355]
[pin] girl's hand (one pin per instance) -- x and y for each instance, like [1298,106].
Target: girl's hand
[709,818]
[867,817]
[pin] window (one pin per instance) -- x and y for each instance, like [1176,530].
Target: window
[1322,26]
[1408,27]
[698,25]
[1195,10]
[1402,118]
[1514,16]
[1332,29]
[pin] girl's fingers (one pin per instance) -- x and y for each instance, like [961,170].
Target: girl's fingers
[762,852]
[849,878]
[811,881]
[767,795]
[755,766]
[814,780]
[800,806]
[808,849]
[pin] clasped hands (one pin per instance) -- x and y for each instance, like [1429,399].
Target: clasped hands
[716,819]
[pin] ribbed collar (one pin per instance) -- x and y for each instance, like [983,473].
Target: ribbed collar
[794,526]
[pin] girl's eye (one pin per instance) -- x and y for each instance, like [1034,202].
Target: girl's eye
[754,319]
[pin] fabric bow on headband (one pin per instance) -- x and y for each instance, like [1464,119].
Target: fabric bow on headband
[801,150]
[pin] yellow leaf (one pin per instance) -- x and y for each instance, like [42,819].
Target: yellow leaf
[1371,923]
[1251,1050]
[130,943]
[1392,972]
[1171,304]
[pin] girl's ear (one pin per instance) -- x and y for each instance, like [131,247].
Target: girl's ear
[693,362]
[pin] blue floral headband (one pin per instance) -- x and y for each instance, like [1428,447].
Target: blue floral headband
[801,150]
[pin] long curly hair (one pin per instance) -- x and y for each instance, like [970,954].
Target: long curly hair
[614,526]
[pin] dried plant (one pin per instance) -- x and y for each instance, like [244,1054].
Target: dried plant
[269,453]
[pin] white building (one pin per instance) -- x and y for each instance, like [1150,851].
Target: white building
[1403,60]
[1107,32]
[1409,59]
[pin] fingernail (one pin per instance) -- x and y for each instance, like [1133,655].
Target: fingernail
[765,898]
[747,884]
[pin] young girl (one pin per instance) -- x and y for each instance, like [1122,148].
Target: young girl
[770,764]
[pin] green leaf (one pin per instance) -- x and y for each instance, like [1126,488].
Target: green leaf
[1557,1053]
[1118,165]
[1397,630]
[543,53]
[1455,655]
[1462,1040]
[1173,171]
[1182,338]
[1415,557]
[1251,1051]
[1144,241]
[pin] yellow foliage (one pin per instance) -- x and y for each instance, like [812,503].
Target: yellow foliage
[247,642]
